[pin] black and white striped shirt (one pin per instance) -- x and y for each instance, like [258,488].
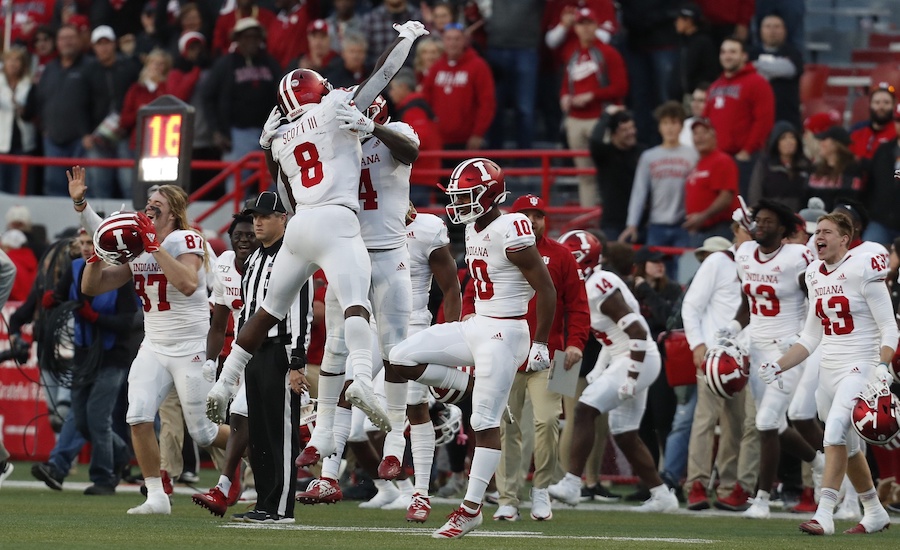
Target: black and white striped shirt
[255,284]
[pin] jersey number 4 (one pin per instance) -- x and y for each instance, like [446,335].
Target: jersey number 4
[367,194]
[842,321]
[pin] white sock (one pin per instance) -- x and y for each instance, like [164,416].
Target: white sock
[870,502]
[484,464]
[659,490]
[827,501]
[405,486]
[224,484]
[329,392]
[395,441]
[440,376]
[358,337]
[341,431]
[383,485]
[421,441]
[154,486]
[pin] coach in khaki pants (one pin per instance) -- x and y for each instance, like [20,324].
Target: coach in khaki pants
[567,335]
[709,303]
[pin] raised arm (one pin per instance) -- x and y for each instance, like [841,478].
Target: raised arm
[389,63]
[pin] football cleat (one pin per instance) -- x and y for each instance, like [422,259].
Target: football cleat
[321,491]
[155,504]
[419,508]
[382,498]
[459,522]
[758,510]
[6,471]
[540,505]
[234,493]
[737,501]
[315,451]
[871,523]
[213,500]
[813,527]
[361,395]
[389,468]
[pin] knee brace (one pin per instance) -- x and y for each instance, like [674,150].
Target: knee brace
[484,417]
[836,434]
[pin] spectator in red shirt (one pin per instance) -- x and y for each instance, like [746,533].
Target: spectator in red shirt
[594,78]
[221,42]
[286,33]
[711,192]
[460,89]
[568,335]
[411,107]
[151,84]
[320,53]
[741,106]
[880,128]
[13,242]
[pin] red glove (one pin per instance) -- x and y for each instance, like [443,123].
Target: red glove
[48,300]
[87,312]
[148,232]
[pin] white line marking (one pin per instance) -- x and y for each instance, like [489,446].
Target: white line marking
[483,534]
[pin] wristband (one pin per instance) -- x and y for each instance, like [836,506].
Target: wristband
[638,345]
[79,203]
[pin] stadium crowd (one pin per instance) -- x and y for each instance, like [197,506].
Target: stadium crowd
[589,74]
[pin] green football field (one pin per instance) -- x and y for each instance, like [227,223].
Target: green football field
[33,516]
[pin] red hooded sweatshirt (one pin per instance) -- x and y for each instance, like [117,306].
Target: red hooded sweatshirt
[461,93]
[416,112]
[742,110]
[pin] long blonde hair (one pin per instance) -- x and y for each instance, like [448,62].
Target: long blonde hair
[24,58]
[162,55]
[178,201]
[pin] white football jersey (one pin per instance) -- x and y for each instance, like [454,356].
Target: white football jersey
[320,160]
[500,288]
[600,286]
[849,331]
[384,192]
[170,317]
[777,303]
[425,234]
[227,288]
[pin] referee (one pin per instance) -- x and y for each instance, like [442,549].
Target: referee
[274,410]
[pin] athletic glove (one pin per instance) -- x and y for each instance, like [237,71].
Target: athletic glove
[209,370]
[217,400]
[353,119]
[148,232]
[627,390]
[883,374]
[48,300]
[270,128]
[87,312]
[729,331]
[771,372]
[411,30]
[538,357]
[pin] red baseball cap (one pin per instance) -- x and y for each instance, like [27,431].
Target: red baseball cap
[585,14]
[820,122]
[529,202]
[319,25]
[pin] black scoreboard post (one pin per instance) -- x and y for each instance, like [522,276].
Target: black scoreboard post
[165,142]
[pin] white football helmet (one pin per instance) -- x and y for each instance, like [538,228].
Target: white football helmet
[447,424]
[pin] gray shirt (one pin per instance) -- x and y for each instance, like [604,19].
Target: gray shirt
[661,173]
[515,24]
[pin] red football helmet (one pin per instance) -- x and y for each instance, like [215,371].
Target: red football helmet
[876,415]
[118,240]
[585,247]
[727,369]
[299,88]
[378,111]
[450,396]
[476,185]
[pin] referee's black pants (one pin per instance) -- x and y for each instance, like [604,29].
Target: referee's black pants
[274,421]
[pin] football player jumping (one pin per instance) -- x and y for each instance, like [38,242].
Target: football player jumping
[318,159]
[508,270]
[619,388]
[850,310]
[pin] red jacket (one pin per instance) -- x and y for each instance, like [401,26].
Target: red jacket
[864,141]
[26,272]
[735,12]
[137,96]
[286,35]
[225,25]
[416,112]
[600,70]
[572,321]
[182,84]
[742,110]
[715,172]
[461,93]
[605,11]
